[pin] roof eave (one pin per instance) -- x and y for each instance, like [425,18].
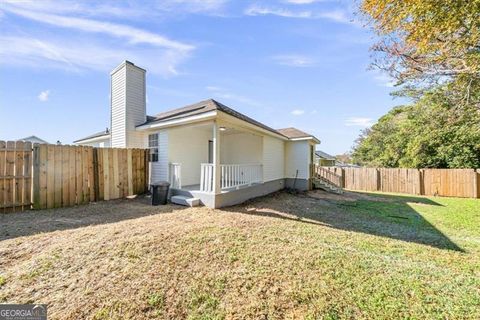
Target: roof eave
[177,121]
[93,139]
[305,138]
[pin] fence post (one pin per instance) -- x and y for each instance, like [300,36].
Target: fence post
[379,182]
[96,181]
[36,177]
[421,182]
[476,183]
[146,154]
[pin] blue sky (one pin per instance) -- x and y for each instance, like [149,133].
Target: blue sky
[300,63]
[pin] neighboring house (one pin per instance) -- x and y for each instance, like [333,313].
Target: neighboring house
[100,139]
[205,150]
[324,159]
[33,139]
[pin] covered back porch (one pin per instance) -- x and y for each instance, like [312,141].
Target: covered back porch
[213,158]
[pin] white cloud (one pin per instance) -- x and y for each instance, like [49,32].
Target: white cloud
[213,88]
[121,9]
[256,10]
[222,93]
[294,60]
[297,112]
[359,122]
[301,1]
[134,35]
[193,6]
[44,95]
[338,15]
[66,55]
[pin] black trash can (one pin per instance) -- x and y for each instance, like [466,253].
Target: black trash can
[159,192]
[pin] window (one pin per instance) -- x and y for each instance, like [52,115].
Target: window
[153,146]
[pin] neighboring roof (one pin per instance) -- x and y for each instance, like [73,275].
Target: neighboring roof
[105,133]
[202,107]
[33,139]
[294,133]
[324,155]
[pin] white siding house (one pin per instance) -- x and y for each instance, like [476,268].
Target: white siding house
[205,150]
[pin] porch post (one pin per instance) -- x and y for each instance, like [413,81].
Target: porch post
[216,158]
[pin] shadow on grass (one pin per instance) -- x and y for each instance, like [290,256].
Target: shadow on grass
[383,215]
[19,224]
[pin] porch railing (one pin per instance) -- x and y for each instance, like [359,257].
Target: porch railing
[329,175]
[206,177]
[232,176]
[237,175]
[176,175]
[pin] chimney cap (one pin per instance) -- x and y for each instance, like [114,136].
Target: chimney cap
[124,63]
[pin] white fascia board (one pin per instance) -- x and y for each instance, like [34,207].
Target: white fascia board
[178,122]
[99,138]
[305,138]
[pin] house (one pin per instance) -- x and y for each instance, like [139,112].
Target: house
[206,150]
[33,139]
[324,159]
[100,139]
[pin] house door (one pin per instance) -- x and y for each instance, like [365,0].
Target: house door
[210,151]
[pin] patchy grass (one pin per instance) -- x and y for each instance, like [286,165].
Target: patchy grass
[308,256]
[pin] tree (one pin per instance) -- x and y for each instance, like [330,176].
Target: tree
[432,133]
[428,42]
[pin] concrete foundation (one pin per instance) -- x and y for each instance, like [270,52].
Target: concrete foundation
[233,197]
[299,184]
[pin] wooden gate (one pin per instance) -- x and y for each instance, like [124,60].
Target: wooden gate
[15,175]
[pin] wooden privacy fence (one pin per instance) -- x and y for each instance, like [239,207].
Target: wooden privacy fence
[52,176]
[431,182]
[15,175]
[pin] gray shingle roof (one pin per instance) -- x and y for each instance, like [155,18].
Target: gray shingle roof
[324,155]
[202,107]
[206,106]
[293,133]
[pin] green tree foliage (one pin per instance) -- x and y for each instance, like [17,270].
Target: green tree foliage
[432,133]
[432,48]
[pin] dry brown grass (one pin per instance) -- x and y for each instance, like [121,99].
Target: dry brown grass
[282,256]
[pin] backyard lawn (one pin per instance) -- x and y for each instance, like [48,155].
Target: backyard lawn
[313,256]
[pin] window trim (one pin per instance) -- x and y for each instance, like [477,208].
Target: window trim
[153,148]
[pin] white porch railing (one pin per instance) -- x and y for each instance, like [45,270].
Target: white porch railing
[206,177]
[232,176]
[175,175]
[237,175]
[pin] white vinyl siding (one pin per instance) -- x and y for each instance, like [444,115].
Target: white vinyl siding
[135,105]
[103,143]
[188,146]
[297,157]
[127,106]
[273,158]
[241,148]
[118,113]
[159,169]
